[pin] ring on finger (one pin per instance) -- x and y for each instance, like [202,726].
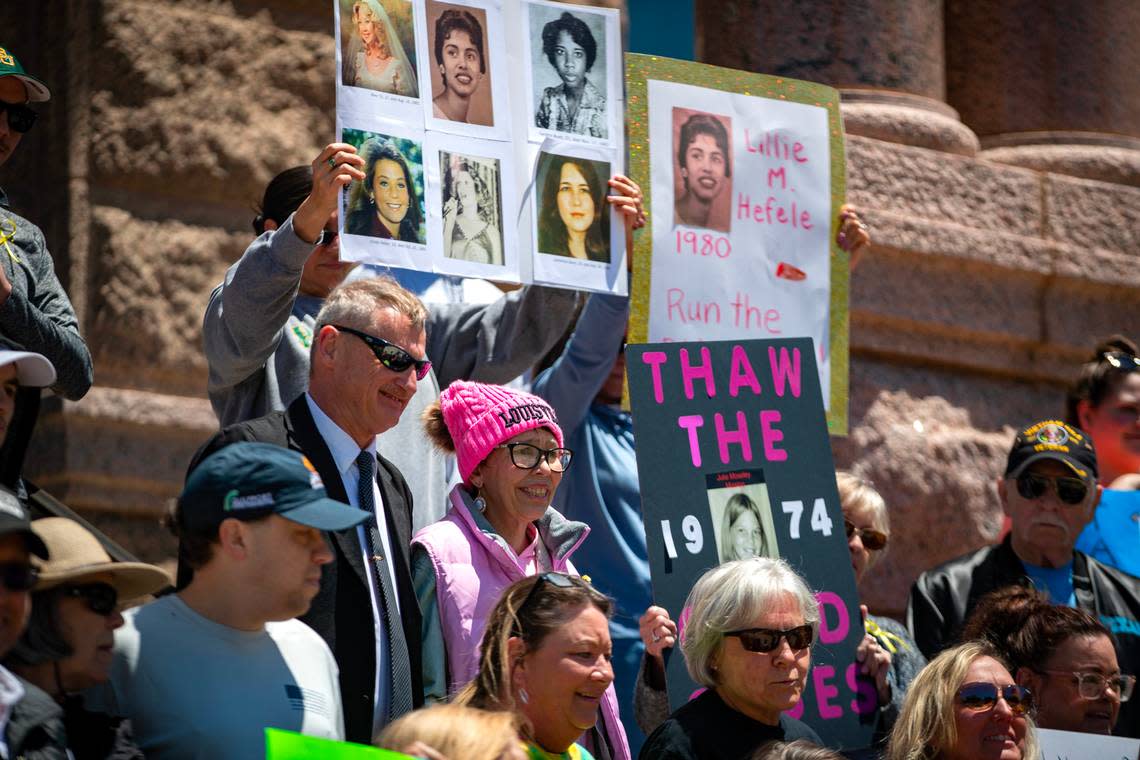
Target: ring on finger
[332,162]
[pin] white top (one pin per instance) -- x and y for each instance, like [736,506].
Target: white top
[11,692]
[344,453]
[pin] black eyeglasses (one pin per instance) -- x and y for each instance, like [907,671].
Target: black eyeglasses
[389,354]
[101,598]
[18,576]
[765,640]
[979,697]
[326,237]
[1071,491]
[1122,361]
[20,117]
[873,540]
[526,456]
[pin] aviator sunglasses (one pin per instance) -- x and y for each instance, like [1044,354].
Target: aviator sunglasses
[101,598]
[872,539]
[18,576]
[765,640]
[389,354]
[1069,490]
[979,697]
[20,117]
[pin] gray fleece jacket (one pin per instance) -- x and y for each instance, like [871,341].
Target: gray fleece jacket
[258,330]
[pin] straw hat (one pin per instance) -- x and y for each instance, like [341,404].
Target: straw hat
[76,554]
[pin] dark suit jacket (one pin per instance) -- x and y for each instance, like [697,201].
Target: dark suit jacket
[342,612]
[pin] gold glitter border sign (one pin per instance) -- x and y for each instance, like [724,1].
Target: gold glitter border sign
[639,69]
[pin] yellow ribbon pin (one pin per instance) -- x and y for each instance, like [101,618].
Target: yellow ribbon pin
[886,638]
[6,235]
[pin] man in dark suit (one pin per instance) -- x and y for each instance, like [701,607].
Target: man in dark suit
[368,352]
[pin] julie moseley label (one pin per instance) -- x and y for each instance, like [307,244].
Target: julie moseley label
[734,461]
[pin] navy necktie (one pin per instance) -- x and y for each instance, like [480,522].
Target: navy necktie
[399,666]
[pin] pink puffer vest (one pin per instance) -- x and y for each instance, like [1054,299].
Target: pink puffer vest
[471,571]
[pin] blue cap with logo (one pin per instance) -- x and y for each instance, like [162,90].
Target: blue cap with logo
[251,480]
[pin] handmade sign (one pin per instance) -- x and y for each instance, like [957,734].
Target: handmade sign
[734,461]
[287,745]
[1067,745]
[483,159]
[746,177]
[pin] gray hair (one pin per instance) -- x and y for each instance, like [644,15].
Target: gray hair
[354,304]
[730,597]
[860,495]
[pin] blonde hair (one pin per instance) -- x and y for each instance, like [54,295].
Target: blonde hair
[454,731]
[858,495]
[926,726]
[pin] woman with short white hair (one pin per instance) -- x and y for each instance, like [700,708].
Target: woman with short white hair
[748,639]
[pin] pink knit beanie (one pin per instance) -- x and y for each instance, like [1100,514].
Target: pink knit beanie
[481,416]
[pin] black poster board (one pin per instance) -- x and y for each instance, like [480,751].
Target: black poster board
[713,419]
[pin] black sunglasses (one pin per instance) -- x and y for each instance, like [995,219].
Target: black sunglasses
[20,117]
[326,237]
[873,540]
[101,598]
[1069,490]
[18,576]
[554,579]
[765,640]
[389,354]
[979,697]
[1122,361]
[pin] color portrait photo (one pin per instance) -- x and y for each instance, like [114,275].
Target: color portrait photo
[472,208]
[460,53]
[742,519]
[378,50]
[573,217]
[568,70]
[389,203]
[702,172]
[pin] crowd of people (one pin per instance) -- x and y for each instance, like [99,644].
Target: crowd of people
[386,543]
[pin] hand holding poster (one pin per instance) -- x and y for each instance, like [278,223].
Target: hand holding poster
[734,461]
[746,179]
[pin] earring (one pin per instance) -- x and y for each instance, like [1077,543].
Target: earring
[480,504]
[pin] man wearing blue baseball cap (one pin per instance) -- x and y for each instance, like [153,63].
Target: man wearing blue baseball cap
[35,312]
[203,672]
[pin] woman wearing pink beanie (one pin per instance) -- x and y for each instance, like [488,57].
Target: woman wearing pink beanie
[500,528]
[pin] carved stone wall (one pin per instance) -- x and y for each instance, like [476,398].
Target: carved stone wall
[992,275]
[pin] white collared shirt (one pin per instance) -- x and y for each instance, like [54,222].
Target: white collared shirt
[11,692]
[344,453]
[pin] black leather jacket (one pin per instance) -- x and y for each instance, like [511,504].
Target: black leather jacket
[941,600]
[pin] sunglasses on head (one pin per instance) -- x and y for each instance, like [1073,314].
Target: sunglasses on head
[558,580]
[979,697]
[18,576]
[101,598]
[20,117]
[1122,361]
[765,640]
[1069,490]
[872,539]
[389,354]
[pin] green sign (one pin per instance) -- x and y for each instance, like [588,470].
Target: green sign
[287,745]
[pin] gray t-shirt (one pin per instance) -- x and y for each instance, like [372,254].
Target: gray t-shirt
[195,689]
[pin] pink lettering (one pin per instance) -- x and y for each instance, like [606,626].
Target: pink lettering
[785,372]
[738,436]
[824,692]
[655,359]
[702,371]
[866,698]
[778,174]
[829,600]
[741,373]
[771,436]
[796,712]
[797,153]
[691,422]
[693,311]
[744,313]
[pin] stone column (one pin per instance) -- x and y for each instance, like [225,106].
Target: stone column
[885,56]
[1059,94]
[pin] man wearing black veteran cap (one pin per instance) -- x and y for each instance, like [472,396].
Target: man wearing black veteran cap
[203,672]
[1049,492]
[17,576]
[35,312]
